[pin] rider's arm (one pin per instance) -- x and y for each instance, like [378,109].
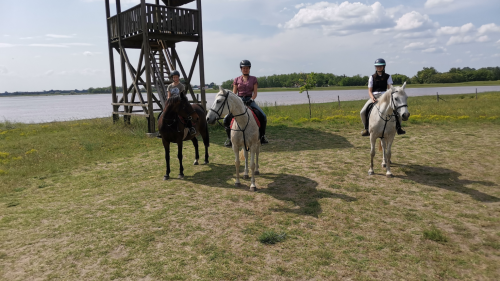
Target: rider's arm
[370,89]
[235,88]
[255,86]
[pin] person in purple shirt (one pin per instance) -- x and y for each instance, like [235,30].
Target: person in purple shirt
[245,86]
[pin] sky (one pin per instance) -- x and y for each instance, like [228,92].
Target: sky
[62,44]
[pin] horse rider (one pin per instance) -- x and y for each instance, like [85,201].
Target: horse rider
[245,86]
[177,88]
[378,84]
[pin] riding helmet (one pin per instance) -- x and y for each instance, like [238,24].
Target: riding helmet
[245,63]
[379,62]
[175,72]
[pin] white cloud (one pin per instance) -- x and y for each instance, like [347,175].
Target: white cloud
[459,39]
[452,30]
[49,73]
[437,3]
[414,21]
[415,46]
[496,55]
[58,36]
[491,27]
[483,38]
[3,70]
[49,45]
[78,44]
[6,45]
[301,5]
[434,50]
[342,19]
[89,54]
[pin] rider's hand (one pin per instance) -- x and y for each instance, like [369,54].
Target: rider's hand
[249,102]
[374,99]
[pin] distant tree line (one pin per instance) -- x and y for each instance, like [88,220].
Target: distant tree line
[425,76]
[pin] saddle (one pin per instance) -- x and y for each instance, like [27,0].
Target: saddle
[368,112]
[255,113]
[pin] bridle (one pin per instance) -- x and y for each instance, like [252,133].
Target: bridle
[394,112]
[182,109]
[219,117]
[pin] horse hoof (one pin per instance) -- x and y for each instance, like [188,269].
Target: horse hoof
[256,173]
[237,184]
[383,165]
[389,175]
[246,177]
[166,178]
[253,188]
[181,177]
[206,162]
[371,173]
[195,162]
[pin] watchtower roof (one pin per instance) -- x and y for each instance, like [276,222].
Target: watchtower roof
[176,3]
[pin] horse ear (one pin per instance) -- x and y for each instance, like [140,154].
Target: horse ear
[221,89]
[404,84]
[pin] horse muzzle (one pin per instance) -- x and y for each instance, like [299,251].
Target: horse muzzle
[405,116]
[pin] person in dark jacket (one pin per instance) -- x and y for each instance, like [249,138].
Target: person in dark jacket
[378,84]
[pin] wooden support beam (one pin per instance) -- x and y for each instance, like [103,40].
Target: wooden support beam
[111,64]
[130,113]
[201,65]
[147,53]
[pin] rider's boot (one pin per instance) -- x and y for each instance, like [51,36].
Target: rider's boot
[262,131]
[228,143]
[191,129]
[365,133]
[399,130]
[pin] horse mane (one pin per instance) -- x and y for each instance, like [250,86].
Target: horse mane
[386,97]
[175,99]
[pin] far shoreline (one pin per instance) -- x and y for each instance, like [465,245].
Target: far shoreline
[295,89]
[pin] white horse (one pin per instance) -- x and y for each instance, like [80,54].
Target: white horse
[244,131]
[382,123]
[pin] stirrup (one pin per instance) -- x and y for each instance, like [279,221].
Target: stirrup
[365,133]
[263,140]
[228,143]
[192,131]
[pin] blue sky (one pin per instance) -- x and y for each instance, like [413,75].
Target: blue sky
[56,44]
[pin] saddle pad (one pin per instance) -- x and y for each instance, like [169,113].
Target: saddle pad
[254,116]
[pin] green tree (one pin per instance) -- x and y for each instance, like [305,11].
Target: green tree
[308,84]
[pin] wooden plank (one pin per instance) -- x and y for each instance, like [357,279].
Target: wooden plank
[114,97]
[201,65]
[129,104]
[130,114]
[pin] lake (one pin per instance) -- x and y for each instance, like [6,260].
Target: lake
[41,109]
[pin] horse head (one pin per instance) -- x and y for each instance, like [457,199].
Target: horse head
[180,105]
[399,100]
[220,107]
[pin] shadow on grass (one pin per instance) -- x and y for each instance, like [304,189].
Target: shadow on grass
[299,192]
[447,179]
[285,138]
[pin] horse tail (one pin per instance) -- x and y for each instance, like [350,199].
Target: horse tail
[380,145]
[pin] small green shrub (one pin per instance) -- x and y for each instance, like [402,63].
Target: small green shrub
[435,234]
[272,237]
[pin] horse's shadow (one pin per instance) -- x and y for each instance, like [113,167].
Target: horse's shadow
[446,179]
[300,193]
[285,138]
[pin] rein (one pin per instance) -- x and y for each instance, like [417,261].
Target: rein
[394,113]
[219,114]
[176,118]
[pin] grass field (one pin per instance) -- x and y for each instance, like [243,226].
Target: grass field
[85,200]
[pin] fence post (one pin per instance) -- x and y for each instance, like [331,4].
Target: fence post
[437,96]
[338,97]
[476,93]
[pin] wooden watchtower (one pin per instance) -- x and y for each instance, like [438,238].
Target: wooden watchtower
[154,29]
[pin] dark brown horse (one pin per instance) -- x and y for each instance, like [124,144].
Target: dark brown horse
[172,127]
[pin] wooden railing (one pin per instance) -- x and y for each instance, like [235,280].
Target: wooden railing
[161,19]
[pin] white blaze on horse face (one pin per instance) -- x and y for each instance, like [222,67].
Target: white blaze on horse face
[402,99]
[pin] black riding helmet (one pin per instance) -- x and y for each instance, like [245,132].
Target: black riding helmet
[175,72]
[379,62]
[245,63]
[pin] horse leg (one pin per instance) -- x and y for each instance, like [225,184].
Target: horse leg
[373,139]
[166,145]
[384,145]
[206,142]
[388,158]
[237,165]
[252,168]
[196,154]
[179,156]
[245,174]
[257,161]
